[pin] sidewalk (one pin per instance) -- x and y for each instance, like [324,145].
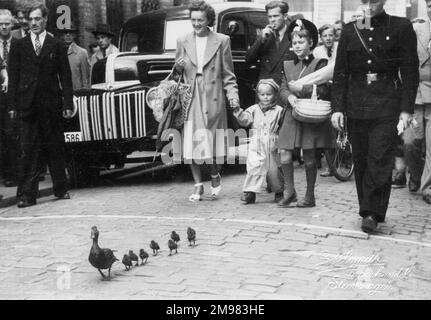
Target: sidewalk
[9,194]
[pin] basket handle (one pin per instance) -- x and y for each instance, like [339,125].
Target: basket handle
[314,95]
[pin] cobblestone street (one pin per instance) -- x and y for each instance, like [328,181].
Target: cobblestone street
[242,252]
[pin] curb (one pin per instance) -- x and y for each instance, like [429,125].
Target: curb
[11,201]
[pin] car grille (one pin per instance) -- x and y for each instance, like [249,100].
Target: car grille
[111,115]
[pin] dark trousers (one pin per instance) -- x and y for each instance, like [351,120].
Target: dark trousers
[8,146]
[374,146]
[41,144]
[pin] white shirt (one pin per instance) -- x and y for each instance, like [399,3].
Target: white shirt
[201,44]
[321,52]
[42,37]
[2,43]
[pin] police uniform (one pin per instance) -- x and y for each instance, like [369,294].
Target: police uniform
[372,88]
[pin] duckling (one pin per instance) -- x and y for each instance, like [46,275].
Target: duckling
[155,246]
[133,257]
[99,258]
[143,255]
[127,261]
[172,246]
[191,236]
[175,236]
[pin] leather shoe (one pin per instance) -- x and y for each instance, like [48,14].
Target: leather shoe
[26,203]
[304,203]
[427,198]
[286,201]
[278,196]
[399,181]
[65,196]
[414,185]
[369,224]
[9,184]
[326,174]
[250,198]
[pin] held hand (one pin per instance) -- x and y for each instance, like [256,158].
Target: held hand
[234,104]
[406,118]
[4,87]
[337,120]
[180,64]
[292,100]
[67,114]
[295,87]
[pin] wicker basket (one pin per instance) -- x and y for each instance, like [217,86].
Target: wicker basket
[312,110]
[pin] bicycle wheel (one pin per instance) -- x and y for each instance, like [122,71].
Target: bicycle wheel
[341,165]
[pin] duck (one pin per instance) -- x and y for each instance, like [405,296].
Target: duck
[127,261]
[155,247]
[133,257]
[143,255]
[191,236]
[101,259]
[175,236]
[172,246]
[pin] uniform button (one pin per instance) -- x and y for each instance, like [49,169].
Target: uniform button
[388,38]
[370,38]
[371,29]
[215,99]
[267,60]
[371,50]
[369,62]
[213,81]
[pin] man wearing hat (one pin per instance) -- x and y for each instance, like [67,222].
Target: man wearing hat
[104,37]
[375,82]
[78,59]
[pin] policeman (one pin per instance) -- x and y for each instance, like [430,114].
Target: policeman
[375,83]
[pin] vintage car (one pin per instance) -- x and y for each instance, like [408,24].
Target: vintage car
[113,120]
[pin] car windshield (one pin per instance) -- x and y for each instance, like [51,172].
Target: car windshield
[148,39]
[175,29]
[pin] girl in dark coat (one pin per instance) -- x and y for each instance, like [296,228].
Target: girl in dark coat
[294,134]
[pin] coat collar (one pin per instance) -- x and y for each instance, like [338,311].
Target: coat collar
[46,48]
[213,44]
[306,61]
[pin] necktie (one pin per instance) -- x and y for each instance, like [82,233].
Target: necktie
[37,45]
[277,38]
[329,52]
[5,51]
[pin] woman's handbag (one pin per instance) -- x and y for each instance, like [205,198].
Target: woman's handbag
[311,110]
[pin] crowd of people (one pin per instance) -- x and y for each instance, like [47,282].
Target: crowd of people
[381,81]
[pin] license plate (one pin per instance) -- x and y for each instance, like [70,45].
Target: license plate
[70,137]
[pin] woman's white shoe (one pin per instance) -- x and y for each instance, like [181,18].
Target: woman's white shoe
[198,192]
[215,191]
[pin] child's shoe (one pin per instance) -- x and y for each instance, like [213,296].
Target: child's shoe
[249,198]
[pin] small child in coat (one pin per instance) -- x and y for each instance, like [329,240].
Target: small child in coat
[262,158]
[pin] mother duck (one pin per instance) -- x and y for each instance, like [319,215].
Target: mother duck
[99,258]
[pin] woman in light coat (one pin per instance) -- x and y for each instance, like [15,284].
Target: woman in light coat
[205,60]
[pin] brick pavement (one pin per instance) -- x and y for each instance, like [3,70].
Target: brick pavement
[242,252]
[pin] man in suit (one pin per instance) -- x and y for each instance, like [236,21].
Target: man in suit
[415,135]
[24,29]
[272,47]
[38,65]
[103,35]
[78,59]
[375,82]
[8,134]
